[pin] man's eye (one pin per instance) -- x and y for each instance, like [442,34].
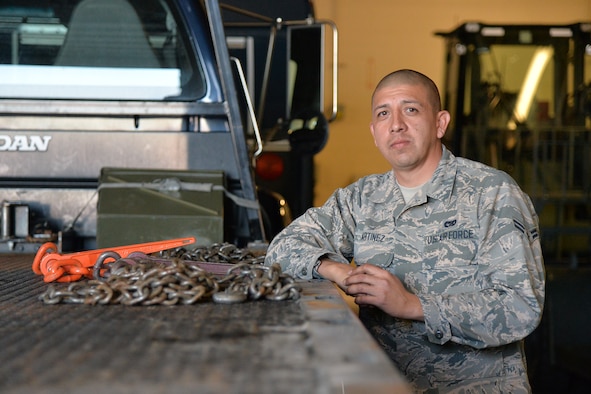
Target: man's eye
[411,109]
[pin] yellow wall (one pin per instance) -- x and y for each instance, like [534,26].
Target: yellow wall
[379,36]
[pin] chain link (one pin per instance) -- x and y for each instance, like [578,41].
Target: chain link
[216,253]
[173,279]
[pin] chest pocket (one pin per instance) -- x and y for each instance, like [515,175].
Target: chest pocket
[449,245]
[374,245]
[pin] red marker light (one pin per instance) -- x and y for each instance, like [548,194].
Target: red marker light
[270,166]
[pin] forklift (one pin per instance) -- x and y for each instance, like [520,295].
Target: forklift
[520,100]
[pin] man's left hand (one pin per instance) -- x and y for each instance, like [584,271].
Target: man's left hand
[372,285]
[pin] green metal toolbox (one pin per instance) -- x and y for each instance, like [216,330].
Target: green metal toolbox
[145,205]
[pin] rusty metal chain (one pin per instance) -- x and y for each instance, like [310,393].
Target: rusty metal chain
[216,253]
[145,280]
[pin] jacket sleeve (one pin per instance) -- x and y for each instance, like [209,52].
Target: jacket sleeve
[326,231]
[507,298]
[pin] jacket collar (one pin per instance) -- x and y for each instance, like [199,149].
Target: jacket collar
[439,187]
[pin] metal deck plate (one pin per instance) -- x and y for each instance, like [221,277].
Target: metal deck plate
[312,345]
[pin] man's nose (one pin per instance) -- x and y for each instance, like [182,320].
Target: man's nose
[397,122]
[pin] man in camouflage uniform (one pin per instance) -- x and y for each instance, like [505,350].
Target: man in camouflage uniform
[449,274]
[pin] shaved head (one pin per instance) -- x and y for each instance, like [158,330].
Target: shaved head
[411,77]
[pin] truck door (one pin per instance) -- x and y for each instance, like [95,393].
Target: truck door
[88,84]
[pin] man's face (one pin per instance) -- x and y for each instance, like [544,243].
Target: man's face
[407,128]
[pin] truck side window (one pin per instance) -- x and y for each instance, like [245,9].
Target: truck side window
[95,49]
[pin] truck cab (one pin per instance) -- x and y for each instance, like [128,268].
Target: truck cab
[95,85]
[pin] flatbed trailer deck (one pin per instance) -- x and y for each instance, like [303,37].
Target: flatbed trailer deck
[314,344]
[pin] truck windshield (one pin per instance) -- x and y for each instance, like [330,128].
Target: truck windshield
[95,49]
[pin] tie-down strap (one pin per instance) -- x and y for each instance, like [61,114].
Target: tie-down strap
[175,184]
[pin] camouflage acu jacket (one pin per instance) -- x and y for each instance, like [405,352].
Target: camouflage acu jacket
[467,245]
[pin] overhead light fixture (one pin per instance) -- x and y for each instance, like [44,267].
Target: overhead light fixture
[561,32]
[492,31]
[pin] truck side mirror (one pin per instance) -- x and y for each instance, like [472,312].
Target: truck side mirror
[308,132]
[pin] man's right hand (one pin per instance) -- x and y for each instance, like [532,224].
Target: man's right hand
[334,271]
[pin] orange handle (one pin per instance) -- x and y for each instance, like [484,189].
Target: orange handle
[43,251]
[47,260]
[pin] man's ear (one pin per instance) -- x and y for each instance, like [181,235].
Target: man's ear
[443,118]
[372,133]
